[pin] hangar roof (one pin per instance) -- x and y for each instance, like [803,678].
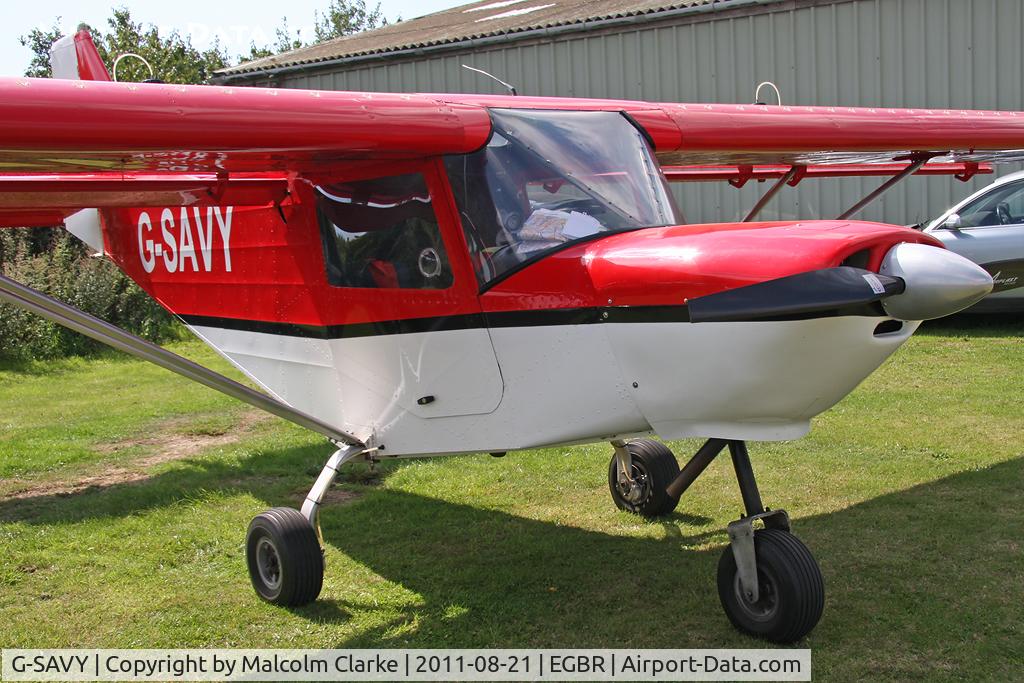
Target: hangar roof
[481,19]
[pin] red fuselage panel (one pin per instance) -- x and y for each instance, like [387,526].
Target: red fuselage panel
[265,264]
[668,266]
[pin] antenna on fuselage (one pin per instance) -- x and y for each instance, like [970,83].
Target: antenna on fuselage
[508,86]
[757,93]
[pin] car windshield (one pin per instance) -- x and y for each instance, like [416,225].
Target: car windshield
[548,179]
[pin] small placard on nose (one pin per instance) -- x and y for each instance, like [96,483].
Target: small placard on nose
[876,285]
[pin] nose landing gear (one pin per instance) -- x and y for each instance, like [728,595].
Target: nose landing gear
[769,584]
[784,598]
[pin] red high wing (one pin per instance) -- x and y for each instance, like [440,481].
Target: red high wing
[72,127]
[739,175]
[55,126]
[793,133]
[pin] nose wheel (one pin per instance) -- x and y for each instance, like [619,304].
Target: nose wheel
[769,584]
[790,593]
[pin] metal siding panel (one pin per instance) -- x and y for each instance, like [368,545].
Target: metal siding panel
[632,69]
[608,81]
[957,20]
[560,67]
[379,79]
[650,77]
[1007,64]
[664,65]
[745,74]
[572,69]
[983,64]
[406,75]
[431,75]
[805,59]
[546,67]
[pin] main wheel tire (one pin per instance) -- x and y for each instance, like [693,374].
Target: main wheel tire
[654,468]
[791,590]
[286,565]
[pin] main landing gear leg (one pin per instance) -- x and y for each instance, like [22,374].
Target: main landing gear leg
[769,583]
[284,547]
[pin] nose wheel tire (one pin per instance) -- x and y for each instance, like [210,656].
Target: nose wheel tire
[653,467]
[792,592]
[286,564]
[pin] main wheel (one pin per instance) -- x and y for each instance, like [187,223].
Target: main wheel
[286,565]
[791,590]
[654,468]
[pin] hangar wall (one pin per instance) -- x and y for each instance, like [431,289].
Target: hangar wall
[876,53]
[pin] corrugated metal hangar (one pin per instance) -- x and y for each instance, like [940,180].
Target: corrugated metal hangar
[875,53]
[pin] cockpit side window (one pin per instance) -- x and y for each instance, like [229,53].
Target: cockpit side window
[382,233]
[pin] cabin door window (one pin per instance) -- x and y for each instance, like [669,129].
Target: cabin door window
[382,233]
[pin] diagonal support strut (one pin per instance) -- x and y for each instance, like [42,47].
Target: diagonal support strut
[75,319]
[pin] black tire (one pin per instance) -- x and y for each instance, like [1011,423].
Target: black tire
[654,468]
[286,565]
[792,592]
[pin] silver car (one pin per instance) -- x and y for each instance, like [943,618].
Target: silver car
[988,228]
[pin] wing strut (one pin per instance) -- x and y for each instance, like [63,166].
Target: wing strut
[111,335]
[917,161]
[789,177]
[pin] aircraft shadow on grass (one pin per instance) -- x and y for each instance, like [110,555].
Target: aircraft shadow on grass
[902,564]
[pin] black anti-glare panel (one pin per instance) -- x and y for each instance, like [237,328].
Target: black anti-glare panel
[796,295]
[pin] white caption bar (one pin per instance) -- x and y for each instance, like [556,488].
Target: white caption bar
[406,665]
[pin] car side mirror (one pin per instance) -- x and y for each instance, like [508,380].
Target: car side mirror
[952,222]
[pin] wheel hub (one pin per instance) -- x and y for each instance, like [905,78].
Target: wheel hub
[635,489]
[268,563]
[767,604]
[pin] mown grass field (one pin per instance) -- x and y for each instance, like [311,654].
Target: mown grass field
[125,493]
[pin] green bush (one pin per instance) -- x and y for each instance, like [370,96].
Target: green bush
[57,264]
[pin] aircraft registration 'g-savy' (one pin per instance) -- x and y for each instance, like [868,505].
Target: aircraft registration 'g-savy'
[413,275]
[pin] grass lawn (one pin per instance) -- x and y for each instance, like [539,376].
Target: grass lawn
[125,493]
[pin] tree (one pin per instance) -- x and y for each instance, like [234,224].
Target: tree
[39,42]
[345,17]
[285,41]
[256,53]
[341,18]
[172,56]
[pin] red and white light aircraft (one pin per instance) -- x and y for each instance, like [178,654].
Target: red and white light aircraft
[415,275]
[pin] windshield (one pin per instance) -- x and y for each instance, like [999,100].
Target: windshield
[550,178]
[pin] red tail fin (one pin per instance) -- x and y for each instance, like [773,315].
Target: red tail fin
[77,58]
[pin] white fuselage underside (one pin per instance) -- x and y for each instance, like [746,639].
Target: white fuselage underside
[510,388]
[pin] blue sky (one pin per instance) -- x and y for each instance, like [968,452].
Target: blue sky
[236,23]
